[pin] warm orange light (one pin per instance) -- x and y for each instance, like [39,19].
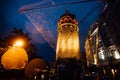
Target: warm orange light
[14,58]
[19,43]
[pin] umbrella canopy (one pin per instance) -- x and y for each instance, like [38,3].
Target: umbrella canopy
[14,58]
[34,66]
[44,18]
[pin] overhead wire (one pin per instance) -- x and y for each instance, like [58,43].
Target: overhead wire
[91,11]
[64,42]
[66,3]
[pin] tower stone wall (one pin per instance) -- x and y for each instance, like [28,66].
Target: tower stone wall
[68,44]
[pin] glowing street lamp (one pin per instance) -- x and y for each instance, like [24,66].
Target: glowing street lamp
[18,43]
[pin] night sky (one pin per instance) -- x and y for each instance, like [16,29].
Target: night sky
[41,24]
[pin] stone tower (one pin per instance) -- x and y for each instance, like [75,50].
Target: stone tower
[68,45]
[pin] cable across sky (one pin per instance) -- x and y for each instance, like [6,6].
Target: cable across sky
[66,3]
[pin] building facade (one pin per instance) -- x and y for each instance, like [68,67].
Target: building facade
[102,45]
[91,45]
[102,52]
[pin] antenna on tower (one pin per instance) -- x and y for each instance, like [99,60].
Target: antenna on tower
[67,11]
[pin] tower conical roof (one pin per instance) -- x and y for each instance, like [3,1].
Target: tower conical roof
[67,13]
[68,18]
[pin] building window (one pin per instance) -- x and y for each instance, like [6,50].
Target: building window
[116,54]
[101,54]
[71,30]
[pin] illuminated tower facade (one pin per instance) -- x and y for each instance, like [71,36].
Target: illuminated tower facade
[68,45]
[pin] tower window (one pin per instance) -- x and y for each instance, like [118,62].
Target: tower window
[101,54]
[71,30]
[65,26]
